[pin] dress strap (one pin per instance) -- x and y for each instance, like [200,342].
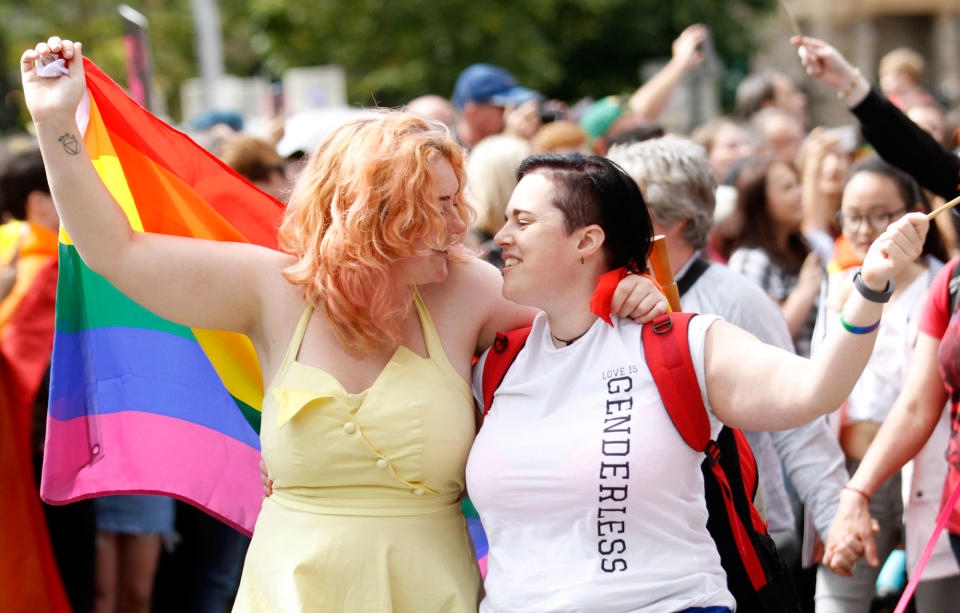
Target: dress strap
[432,339]
[297,339]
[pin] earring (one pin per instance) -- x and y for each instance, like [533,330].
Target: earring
[581,259]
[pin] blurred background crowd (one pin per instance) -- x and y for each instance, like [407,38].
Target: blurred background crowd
[259,84]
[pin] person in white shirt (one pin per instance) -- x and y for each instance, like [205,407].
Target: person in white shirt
[590,498]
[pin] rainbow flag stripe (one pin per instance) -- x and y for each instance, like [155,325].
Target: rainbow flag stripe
[139,404]
[477,534]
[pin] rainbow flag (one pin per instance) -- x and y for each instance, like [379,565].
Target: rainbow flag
[477,534]
[139,404]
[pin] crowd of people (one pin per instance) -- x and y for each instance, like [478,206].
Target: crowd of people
[826,332]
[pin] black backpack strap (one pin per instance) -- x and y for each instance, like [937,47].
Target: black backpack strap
[697,268]
[953,287]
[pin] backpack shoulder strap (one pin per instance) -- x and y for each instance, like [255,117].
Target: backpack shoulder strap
[696,269]
[667,353]
[953,287]
[504,351]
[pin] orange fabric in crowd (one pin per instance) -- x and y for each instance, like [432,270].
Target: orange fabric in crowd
[29,579]
[37,248]
[26,344]
[842,257]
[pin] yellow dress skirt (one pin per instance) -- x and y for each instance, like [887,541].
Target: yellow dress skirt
[365,513]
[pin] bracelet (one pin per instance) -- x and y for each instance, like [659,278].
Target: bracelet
[872,295]
[861,492]
[858,329]
[842,94]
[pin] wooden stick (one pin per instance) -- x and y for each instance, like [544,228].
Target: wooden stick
[944,207]
[793,22]
[659,265]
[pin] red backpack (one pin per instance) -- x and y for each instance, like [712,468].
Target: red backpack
[756,576]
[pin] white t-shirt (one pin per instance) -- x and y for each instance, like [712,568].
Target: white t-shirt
[590,498]
[885,375]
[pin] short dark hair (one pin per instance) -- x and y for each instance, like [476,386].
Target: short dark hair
[593,190]
[21,172]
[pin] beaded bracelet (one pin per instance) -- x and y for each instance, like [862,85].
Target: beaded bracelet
[858,329]
[842,94]
[859,491]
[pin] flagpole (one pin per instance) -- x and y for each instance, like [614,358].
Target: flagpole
[206,21]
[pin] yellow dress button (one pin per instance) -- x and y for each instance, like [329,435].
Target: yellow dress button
[418,492]
[349,427]
[381,463]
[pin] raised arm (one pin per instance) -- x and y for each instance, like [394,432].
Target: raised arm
[758,387]
[816,213]
[650,98]
[895,137]
[194,282]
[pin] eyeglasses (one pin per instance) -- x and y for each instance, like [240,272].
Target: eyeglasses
[877,222]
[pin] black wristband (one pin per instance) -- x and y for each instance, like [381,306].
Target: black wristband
[872,295]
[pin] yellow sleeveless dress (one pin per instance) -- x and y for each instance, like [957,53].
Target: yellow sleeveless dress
[364,514]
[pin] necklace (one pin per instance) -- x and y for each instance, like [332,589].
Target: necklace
[569,342]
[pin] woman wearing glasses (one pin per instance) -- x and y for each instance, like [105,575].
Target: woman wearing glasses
[874,195]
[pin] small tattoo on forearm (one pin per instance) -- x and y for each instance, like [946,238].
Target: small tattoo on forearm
[70,143]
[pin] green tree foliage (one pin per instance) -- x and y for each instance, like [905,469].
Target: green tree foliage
[395,50]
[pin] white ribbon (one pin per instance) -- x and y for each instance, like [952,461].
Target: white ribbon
[52,66]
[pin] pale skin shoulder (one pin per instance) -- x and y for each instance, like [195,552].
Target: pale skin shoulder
[468,309]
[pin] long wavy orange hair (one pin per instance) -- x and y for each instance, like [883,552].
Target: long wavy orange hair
[366,199]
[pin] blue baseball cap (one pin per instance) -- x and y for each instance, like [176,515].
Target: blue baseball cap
[492,85]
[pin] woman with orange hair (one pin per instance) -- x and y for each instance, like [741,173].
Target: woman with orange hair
[367,415]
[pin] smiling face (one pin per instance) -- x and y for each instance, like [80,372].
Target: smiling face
[540,256]
[870,202]
[432,267]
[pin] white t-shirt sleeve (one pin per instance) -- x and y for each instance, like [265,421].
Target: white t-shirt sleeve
[697,338]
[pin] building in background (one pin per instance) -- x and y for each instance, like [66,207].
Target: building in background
[864,31]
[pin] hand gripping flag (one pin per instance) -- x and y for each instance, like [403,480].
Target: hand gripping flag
[139,404]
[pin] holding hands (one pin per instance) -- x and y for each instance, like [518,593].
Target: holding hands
[57,96]
[851,534]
